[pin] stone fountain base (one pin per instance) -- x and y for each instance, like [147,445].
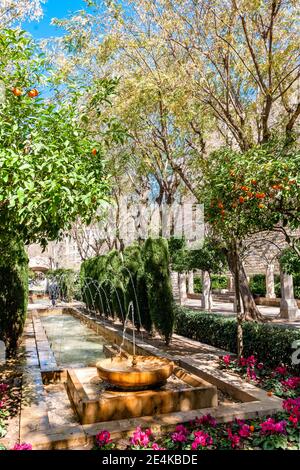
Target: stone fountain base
[95,401]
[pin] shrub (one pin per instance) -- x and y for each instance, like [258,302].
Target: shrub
[13,291]
[142,295]
[136,288]
[86,284]
[159,289]
[296,279]
[218,281]
[179,254]
[257,285]
[198,285]
[115,284]
[67,281]
[269,343]
[140,274]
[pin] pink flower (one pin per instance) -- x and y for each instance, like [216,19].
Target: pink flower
[103,438]
[206,420]
[239,422]
[180,434]
[260,366]
[291,383]
[181,428]
[3,388]
[23,446]
[141,438]
[155,446]
[293,420]
[251,374]
[226,360]
[244,431]
[233,438]
[249,361]
[242,361]
[178,437]
[292,405]
[202,439]
[281,370]
[270,426]
[2,404]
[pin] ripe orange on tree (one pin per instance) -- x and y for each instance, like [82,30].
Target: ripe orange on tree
[94,151]
[277,186]
[241,199]
[17,91]
[260,195]
[33,93]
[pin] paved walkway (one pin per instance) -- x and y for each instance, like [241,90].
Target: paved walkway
[226,309]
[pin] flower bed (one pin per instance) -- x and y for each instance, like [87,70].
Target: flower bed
[277,432]
[280,380]
[6,409]
[3,411]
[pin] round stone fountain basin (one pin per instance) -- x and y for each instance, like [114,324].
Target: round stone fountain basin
[149,371]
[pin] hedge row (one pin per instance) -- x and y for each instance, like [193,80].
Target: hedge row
[140,275]
[218,281]
[271,344]
[13,291]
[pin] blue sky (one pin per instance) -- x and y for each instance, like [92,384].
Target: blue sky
[53,8]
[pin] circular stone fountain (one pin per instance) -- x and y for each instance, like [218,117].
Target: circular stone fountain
[135,372]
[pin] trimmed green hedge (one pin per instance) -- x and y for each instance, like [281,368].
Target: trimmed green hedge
[159,287]
[218,281]
[140,275]
[13,292]
[271,344]
[257,285]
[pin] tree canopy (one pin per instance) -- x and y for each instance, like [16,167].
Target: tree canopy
[52,166]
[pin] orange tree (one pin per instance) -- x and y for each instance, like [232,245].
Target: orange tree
[52,168]
[248,192]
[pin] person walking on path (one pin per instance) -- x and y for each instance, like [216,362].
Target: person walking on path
[53,292]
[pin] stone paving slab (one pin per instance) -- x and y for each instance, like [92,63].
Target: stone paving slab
[45,354]
[34,415]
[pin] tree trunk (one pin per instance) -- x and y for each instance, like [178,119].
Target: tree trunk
[206,302]
[234,264]
[251,311]
[191,282]
[182,288]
